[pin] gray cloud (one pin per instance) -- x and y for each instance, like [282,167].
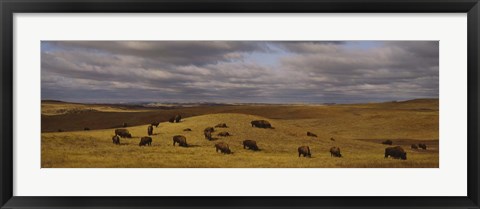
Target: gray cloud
[167,52]
[392,70]
[239,71]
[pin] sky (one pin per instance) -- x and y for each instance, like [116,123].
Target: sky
[239,71]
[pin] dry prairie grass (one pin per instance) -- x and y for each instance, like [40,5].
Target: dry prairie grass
[60,108]
[357,129]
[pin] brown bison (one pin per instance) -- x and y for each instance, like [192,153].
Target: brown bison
[335,152]
[311,134]
[332,139]
[123,133]
[155,123]
[414,146]
[387,142]
[209,129]
[395,152]
[208,135]
[125,125]
[181,140]
[150,130]
[178,118]
[223,147]
[423,146]
[305,151]
[60,130]
[221,125]
[146,140]
[224,134]
[116,139]
[261,124]
[207,132]
[187,129]
[86,129]
[250,144]
[172,119]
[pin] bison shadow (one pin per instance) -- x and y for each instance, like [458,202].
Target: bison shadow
[264,127]
[214,139]
[306,157]
[231,153]
[254,150]
[188,146]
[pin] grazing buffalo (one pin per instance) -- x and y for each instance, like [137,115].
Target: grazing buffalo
[123,133]
[208,135]
[221,125]
[60,130]
[261,124]
[250,144]
[178,118]
[335,152]
[116,139]
[224,134]
[150,130]
[311,134]
[414,146]
[125,125]
[223,147]
[172,120]
[209,129]
[181,140]
[395,152]
[86,129]
[423,146]
[305,151]
[187,129]
[387,142]
[332,139]
[146,140]
[155,123]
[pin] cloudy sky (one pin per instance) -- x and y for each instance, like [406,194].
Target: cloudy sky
[239,71]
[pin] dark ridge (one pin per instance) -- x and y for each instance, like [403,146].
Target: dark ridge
[54,101]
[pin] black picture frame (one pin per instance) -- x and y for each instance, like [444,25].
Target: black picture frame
[10,7]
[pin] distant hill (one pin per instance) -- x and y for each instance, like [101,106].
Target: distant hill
[71,117]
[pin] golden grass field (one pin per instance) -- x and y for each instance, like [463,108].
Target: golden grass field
[358,130]
[59,108]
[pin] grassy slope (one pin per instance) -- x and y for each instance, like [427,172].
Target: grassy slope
[396,117]
[369,122]
[50,108]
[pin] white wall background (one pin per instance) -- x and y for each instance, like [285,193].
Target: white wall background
[448,180]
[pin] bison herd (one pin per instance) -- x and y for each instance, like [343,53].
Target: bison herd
[422,146]
[396,152]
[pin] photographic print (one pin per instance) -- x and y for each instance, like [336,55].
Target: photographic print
[240,104]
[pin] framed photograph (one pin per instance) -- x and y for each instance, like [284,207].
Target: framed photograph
[241,104]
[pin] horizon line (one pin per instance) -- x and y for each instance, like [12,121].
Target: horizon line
[299,103]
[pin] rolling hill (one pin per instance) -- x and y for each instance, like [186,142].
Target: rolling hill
[357,130]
